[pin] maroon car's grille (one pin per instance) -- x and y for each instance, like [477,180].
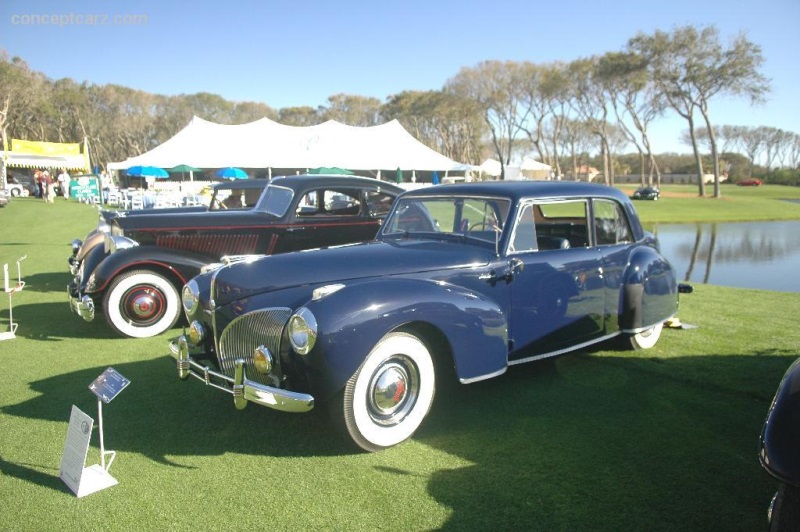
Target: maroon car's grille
[241,337]
[217,245]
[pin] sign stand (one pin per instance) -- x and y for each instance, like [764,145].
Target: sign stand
[11,290]
[87,480]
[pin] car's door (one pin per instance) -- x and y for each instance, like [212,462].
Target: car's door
[557,292]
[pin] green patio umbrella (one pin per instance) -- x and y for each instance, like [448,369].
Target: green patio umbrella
[398,176]
[330,170]
[183,168]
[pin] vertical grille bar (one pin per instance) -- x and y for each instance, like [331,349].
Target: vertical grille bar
[248,331]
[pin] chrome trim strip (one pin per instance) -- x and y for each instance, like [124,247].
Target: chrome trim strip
[242,389]
[483,377]
[562,351]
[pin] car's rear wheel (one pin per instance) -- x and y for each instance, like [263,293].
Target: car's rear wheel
[15,192]
[385,401]
[645,339]
[141,304]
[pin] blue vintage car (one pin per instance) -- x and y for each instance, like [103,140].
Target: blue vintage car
[466,279]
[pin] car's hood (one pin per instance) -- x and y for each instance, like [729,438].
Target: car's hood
[341,264]
[190,219]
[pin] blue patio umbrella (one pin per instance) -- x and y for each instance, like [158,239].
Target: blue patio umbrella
[435,177]
[232,173]
[147,171]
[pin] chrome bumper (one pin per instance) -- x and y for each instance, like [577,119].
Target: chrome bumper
[242,389]
[83,306]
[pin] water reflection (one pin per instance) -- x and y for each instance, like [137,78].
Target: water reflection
[763,255]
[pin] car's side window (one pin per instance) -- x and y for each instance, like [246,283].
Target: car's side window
[561,224]
[325,202]
[524,238]
[611,223]
[380,203]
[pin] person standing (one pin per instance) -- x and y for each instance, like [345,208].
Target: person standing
[38,176]
[63,183]
[50,188]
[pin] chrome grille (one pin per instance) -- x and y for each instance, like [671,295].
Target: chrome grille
[248,331]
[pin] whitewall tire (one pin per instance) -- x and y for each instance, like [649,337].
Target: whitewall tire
[385,401]
[141,304]
[647,338]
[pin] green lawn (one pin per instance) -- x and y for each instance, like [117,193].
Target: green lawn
[663,439]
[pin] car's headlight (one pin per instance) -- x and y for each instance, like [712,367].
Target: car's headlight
[114,242]
[190,297]
[302,331]
[103,226]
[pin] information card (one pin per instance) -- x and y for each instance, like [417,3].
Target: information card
[81,480]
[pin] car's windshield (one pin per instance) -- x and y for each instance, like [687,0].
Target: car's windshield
[473,217]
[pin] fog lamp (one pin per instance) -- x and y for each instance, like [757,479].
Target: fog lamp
[197,333]
[262,360]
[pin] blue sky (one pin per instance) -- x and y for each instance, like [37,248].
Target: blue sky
[299,52]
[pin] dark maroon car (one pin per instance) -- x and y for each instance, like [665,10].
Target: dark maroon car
[136,275]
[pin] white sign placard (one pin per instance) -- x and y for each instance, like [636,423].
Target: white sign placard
[81,480]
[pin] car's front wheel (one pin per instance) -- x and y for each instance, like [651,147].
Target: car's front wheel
[15,192]
[645,339]
[141,304]
[385,401]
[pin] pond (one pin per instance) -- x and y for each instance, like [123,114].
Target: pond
[760,255]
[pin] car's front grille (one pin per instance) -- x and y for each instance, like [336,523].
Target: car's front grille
[217,245]
[244,334]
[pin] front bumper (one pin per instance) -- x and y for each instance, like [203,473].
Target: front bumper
[83,306]
[242,389]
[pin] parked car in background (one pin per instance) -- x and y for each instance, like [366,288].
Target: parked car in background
[134,278]
[472,277]
[750,183]
[647,193]
[20,185]
[779,451]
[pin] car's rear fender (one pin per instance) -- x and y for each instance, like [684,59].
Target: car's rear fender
[649,292]
[178,265]
[352,320]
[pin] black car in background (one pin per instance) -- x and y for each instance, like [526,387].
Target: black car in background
[135,277]
[647,193]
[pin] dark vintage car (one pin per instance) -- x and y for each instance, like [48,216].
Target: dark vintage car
[647,193]
[779,451]
[473,277]
[136,274]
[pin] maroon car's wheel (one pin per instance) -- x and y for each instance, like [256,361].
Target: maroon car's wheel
[141,304]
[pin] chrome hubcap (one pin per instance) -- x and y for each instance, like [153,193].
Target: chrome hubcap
[393,391]
[144,304]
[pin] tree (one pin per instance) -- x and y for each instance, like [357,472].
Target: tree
[495,87]
[691,67]
[352,110]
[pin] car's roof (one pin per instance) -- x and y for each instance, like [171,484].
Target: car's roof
[336,180]
[516,190]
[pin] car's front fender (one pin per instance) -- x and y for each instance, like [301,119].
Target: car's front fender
[182,265]
[353,320]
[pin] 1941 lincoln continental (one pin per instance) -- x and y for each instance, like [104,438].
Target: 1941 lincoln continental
[133,267]
[473,277]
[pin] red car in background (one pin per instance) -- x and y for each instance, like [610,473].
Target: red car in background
[750,183]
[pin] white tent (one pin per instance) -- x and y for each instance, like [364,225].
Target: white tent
[268,144]
[531,165]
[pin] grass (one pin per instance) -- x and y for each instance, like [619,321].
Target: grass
[681,204]
[663,439]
